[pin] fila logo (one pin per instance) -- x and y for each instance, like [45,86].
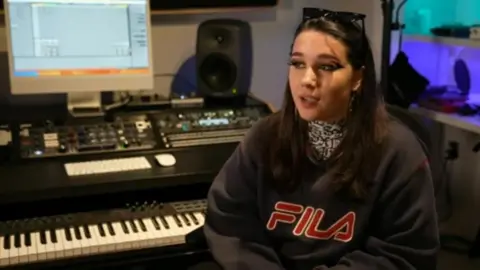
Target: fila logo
[307,220]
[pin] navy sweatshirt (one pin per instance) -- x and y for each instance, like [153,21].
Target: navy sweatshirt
[250,226]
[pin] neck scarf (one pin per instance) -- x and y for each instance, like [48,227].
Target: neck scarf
[324,138]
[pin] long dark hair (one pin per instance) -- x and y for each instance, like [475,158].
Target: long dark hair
[355,161]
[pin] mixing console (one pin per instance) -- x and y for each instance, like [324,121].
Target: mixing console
[193,127]
[124,133]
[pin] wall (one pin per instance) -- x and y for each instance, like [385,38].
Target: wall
[435,61]
[174,41]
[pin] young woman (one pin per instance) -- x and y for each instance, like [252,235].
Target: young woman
[330,181]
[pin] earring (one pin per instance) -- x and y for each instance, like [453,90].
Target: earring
[352,100]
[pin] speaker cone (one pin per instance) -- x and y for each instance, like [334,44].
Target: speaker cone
[218,72]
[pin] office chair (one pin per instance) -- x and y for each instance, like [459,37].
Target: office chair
[417,127]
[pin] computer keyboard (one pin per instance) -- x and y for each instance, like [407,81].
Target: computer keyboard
[107,166]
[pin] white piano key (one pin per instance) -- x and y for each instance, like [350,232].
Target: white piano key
[41,252]
[22,250]
[150,233]
[67,245]
[4,253]
[167,232]
[175,230]
[49,246]
[58,247]
[93,242]
[122,241]
[157,233]
[110,240]
[32,250]
[102,241]
[84,242]
[133,233]
[142,236]
[76,247]
[13,251]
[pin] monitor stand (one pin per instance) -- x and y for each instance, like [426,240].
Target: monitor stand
[85,104]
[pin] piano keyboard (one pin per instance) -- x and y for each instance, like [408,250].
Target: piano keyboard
[157,226]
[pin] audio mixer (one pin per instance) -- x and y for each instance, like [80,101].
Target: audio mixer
[124,133]
[171,128]
[194,127]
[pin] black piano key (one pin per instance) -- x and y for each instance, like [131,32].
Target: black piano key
[164,222]
[6,242]
[194,218]
[185,219]
[177,220]
[28,239]
[87,232]
[101,230]
[53,236]
[17,240]
[142,225]
[76,231]
[124,227]
[133,226]
[43,237]
[110,229]
[155,224]
[68,235]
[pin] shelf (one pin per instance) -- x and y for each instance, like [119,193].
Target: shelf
[444,40]
[467,123]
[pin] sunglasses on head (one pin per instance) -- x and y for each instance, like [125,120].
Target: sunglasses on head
[335,16]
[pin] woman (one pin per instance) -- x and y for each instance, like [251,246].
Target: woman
[329,181]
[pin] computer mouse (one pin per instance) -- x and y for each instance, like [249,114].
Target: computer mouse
[165,160]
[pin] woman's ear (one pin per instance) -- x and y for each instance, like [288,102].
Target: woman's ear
[357,79]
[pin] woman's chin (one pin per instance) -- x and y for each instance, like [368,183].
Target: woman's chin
[309,115]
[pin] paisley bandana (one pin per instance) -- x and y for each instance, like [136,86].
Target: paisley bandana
[324,138]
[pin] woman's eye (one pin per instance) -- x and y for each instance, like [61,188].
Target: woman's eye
[328,67]
[297,64]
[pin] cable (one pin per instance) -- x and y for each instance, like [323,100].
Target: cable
[125,98]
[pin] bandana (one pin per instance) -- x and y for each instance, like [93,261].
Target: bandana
[324,138]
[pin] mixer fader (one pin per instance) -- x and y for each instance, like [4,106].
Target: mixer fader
[194,127]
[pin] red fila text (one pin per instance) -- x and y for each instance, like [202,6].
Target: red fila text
[307,220]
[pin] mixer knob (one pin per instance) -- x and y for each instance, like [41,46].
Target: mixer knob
[125,144]
[62,148]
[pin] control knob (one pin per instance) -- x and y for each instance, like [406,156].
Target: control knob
[62,148]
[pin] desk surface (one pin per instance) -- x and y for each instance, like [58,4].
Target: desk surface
[47,179]
[468,123]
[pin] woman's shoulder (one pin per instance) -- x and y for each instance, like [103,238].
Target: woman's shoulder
[263,128]
[261,133]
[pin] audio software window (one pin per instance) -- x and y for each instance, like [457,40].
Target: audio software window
[75,34]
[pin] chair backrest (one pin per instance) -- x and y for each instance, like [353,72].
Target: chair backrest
[415,125]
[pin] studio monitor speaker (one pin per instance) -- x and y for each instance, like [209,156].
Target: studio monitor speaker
[224,58]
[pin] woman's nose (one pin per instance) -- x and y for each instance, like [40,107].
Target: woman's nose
[309,78]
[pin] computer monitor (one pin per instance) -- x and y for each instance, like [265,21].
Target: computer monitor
[79,47]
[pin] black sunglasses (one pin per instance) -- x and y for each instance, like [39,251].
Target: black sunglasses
[335,16]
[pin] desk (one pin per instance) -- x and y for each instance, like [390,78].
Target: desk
[468,123]
[46,179]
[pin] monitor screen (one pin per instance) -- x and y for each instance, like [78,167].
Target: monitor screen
[58,46]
